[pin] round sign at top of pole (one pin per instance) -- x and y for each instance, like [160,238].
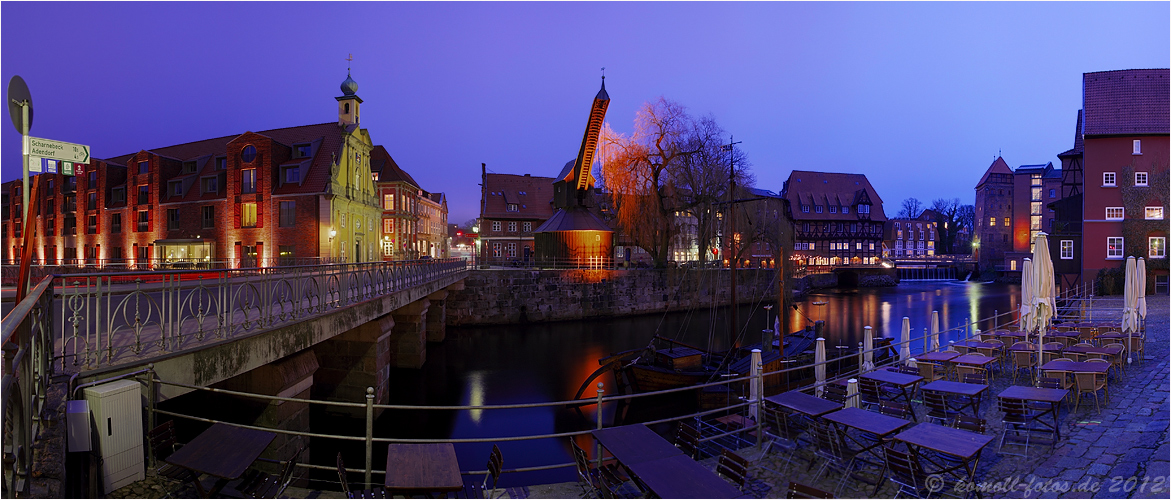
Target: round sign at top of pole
[17,95]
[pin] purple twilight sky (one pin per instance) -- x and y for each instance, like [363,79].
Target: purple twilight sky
[918,96]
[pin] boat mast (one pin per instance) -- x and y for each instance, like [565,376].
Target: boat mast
[731,237]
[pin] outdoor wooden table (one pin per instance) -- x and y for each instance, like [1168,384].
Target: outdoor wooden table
[971,393]
[422,468]
[222,451]
[679,476]
[1052,398]
[800,402]
[1076,366]
[961,444]
[901,380]
[973,359]
[975,344]
[1119,336]
[936,357]
[1014,335]
[1093,349]
[866,421]
[635,443]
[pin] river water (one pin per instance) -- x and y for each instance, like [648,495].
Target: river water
[514,364]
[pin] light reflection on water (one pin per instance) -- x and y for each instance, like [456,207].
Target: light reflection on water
[548,362]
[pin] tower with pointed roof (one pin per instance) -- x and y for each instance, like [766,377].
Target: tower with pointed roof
[349,102]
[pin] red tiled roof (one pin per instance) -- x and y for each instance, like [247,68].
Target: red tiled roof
[502,189]
[388,170]
[826,188]
[998,167]
[1126,102]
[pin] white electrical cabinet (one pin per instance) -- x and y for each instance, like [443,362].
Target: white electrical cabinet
[117,413]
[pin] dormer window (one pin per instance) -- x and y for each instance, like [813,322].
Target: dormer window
[805,208]
[833,209]
[189,167]
[817,208]
[176,188]
[221,163]
[512,207]
[845,209]
[302,150]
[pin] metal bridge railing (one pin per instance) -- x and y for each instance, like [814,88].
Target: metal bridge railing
[111,319]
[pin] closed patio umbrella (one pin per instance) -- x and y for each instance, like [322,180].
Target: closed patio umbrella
[867,346]
[852,393]
[1142,291]
[1130,301]
[819,365]
[1027,290]
[934,331]
[905,341]
[1043,303]
[1130,297]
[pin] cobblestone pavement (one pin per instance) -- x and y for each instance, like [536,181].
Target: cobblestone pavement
[1121,452]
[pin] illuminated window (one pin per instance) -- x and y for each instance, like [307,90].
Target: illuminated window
[388,202]
[248,215]
[1012,265]
[248,180]
[1066,249]
[1114,213]
[387,226]
[1006,224]
[1157,247]
[992,221]
[1154,213]
[1114,247]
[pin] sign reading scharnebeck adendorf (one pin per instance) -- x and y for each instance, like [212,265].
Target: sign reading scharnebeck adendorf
[58,150]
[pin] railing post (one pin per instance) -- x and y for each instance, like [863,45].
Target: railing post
[151,395]
[598,408]
[369,433]
[757,392]
[995,320]
[861,357]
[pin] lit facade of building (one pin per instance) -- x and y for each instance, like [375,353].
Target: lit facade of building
[1124,142]
[911,237]
[837,219]
[398,195]
[512,206]
[432,235]
[1011,208]
[242,200]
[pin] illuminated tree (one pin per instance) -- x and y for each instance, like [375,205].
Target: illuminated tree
[671,164]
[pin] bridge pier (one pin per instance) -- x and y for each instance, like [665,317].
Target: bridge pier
[437,317]
[290,377]
[407,346]
[355,360]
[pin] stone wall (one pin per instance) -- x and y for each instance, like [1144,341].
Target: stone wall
[495,296]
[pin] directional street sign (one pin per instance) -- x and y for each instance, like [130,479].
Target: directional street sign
[58,150]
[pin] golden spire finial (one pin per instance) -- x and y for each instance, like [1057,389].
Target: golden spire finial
[348,59]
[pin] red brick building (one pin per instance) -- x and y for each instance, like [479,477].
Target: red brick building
[1125,146]
[289,195]
[512,207]
[1011,208]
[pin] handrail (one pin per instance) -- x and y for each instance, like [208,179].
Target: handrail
[16,316]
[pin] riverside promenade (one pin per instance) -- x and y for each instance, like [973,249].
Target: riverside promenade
[1122,452]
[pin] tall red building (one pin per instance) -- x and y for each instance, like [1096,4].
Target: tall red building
[1125,142]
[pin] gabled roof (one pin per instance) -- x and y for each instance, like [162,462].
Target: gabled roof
[998,166]
[826,188]
[389,171]
[1126,102]
[536,202]
[573,219]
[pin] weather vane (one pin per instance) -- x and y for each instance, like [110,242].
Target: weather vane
[603,72]
[348,59]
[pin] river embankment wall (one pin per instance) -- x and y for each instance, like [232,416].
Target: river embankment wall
[506,296]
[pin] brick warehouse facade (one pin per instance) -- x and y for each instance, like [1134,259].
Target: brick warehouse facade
[248,199]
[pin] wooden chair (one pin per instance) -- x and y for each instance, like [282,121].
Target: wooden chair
[931,372]
[735,468]
[893,409]
[687,439]
[798,490]
[828,447]
[162,444]
[870,392]
[835,392]
[907,472]
[1118,361]
[1023,360]
[976,376]
[1059,379]
[1019,419]
[962,371]
[1089,383]
[971,424]
[257,484]
[495,467]
[1078,356]
[342,477]
[1051,351]
[607,482]
[937,407]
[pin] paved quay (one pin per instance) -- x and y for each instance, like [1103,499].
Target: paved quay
[1122,452]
